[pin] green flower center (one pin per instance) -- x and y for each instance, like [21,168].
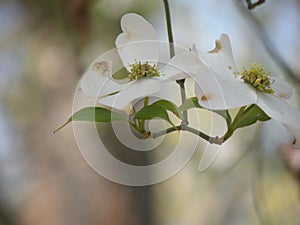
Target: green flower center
[140,70]
[257,78]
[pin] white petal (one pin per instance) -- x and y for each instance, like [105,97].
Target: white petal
[138,40]
[169,90]
[134,90]
[281,88]
[137,28]
[220,60]
[96,81]
[281,111]
[182,65]
[111,101]
[222,92]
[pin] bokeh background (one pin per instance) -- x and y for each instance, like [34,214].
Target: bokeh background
[45,47]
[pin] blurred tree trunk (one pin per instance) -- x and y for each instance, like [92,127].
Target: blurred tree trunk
[141,198]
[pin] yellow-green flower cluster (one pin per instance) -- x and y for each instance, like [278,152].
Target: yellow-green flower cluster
[257,78]
[139,71]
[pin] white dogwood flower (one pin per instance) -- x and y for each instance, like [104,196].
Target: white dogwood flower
[139,51]
[219,86]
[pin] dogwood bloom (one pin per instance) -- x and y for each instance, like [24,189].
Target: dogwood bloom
[219,86]
[139,49]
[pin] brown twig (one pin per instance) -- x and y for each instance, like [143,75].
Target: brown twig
[253,5]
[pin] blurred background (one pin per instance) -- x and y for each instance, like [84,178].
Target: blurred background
[45,47]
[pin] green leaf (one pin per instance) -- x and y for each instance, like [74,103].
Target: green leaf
[193,103]
[170,106]
[189,104]
[94,114]
[225,114]
[250,116]
[260,114]
[152,111]
[120,74]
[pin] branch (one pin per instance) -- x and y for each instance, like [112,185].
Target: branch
[211,140]
[172,53]
[253,5]
[169,28]
[185,121]
[163,132]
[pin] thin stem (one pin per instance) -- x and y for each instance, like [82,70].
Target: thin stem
[184,122]
[253,5]
[136,127]
[212,140]
[163,132]
[230,130]
[198,133]
[146,101]
[169,28]
[135,121]
[183,99]
[142,122]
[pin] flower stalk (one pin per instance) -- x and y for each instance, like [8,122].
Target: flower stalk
[181,82]
[169,28]
[212,140]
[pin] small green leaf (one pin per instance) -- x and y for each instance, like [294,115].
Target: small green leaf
[170,106]
[120,74]
[260,114]
[250,116]
[152,111]
[189,104]
[94,114]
